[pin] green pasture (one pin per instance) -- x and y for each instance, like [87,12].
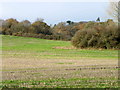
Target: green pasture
[23,46]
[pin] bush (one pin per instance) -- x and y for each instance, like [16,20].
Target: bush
[101,35]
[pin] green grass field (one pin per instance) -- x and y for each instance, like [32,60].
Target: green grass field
[40,63]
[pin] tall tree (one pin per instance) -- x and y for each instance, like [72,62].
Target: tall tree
[69,22]
[98,19]
[114,10]
[41,27]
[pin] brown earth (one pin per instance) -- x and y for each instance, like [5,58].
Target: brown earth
[37,69]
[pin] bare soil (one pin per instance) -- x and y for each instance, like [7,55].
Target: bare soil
[37,69]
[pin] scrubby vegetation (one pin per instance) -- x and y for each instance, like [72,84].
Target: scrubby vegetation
[98,35]
[82,34]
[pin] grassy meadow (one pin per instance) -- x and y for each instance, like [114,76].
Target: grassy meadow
[39,63]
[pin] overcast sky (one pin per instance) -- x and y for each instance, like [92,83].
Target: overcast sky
[54,12]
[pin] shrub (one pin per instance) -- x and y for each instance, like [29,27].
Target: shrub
[101,35]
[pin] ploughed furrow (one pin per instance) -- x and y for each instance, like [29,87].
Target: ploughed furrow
[93,68]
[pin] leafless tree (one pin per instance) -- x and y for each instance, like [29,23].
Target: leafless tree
[114,10]
[40,19]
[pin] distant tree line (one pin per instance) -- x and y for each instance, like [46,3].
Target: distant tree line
[39,29]
[81,34]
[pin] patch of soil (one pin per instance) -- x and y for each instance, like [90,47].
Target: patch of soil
[64,48]
[81,48]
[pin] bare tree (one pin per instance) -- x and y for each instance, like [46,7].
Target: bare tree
[26,23]
[40,19]
[1,22]
[114,9]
